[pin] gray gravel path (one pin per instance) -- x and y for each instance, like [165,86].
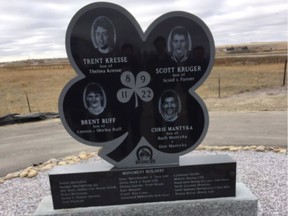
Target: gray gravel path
[265,173]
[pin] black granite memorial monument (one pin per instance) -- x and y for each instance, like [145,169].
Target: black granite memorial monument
[134,95]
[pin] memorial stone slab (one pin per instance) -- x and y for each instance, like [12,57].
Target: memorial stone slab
[101,184]
[134,93]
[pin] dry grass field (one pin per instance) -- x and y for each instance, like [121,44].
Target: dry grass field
[245,88]
[254,86]
[241,78]
[41,86]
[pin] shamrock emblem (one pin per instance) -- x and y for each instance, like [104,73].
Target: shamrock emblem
[137,87]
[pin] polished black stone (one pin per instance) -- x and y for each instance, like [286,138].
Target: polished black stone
[132,84]
[100,184]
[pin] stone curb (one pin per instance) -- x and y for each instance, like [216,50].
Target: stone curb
[33,171]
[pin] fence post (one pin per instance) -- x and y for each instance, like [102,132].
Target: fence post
[219,85]
[28,102]
[285,72]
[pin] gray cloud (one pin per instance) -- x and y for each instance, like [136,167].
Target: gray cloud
[36,29]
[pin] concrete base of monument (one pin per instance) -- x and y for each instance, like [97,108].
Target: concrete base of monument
[245,203]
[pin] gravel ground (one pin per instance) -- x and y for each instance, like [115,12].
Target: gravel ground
[265,173]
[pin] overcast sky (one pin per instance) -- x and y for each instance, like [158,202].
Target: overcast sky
[36,28]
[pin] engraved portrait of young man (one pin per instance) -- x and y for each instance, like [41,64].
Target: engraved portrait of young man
[103,35]
[94,98]
[179,44]
[169,105]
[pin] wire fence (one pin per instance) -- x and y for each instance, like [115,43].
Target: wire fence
[227,78]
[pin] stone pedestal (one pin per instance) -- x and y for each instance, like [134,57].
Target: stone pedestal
[245,203]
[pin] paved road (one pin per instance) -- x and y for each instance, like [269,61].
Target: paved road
[22,145]
[247,128]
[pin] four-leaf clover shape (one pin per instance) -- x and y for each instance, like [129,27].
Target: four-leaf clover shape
[138,87]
